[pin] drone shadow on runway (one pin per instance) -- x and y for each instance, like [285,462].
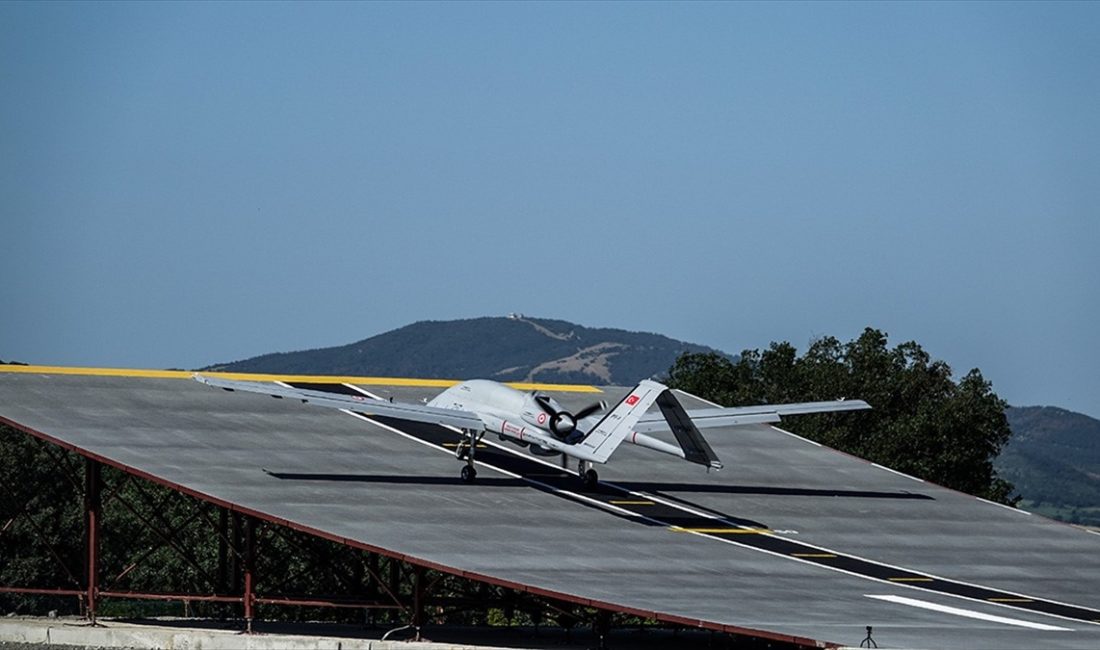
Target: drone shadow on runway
[638,486]
[392,478]
[766,490]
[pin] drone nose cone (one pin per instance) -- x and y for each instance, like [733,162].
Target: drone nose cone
[563,424]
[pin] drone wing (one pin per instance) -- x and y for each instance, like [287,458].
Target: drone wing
[740,415]
[358,403]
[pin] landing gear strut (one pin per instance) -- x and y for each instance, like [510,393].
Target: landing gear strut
[465,450]
[589,477]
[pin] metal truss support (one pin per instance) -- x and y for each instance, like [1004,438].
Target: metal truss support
[418,600]
[249,570]
[93,510]
[385,588]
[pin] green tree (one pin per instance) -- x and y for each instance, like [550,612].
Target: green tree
[41,525]
[923,422]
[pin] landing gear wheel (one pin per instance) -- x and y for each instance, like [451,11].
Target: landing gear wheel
[468,474]
[589,479]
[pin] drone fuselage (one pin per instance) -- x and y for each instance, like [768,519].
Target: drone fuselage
[507,411]
[515,415]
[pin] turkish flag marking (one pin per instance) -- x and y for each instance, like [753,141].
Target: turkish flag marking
[632,400]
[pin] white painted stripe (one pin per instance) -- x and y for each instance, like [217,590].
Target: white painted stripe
[1001,505]
[364,391]
[969,613]
[894,471]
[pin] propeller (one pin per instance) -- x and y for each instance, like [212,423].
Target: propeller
[564,423]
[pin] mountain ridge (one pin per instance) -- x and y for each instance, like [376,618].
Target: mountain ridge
[1053,460]
[511,348]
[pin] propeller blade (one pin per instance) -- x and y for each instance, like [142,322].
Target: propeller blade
[589,410]
[544,404]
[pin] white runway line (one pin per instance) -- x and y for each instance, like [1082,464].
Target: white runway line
[968,613]
[894,471]
[1001,505]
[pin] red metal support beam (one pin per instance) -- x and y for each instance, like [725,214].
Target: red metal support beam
[249,568]
[200,598]
[92,514]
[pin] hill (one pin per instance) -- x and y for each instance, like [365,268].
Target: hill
[513,348]
[1053,459]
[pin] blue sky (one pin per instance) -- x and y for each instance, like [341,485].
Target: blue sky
[182,184]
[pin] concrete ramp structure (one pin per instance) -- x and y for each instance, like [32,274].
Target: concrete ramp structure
[792,543]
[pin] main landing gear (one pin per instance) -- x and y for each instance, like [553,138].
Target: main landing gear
[589,478]
[465,450]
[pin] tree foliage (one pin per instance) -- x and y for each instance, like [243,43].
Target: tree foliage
[923,422]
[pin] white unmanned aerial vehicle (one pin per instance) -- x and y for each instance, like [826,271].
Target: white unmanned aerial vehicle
[481,406]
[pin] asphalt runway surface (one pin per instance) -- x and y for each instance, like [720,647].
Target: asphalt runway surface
[790,540]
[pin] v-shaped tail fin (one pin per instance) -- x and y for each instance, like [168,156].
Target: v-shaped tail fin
[604,438]
[696,449]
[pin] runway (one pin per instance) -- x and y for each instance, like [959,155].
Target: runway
[790,541]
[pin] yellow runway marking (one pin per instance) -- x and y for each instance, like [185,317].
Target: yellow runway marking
[825,555]
[910,579]
[1011,600]
[631,503]
[721,531]
[308,379]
